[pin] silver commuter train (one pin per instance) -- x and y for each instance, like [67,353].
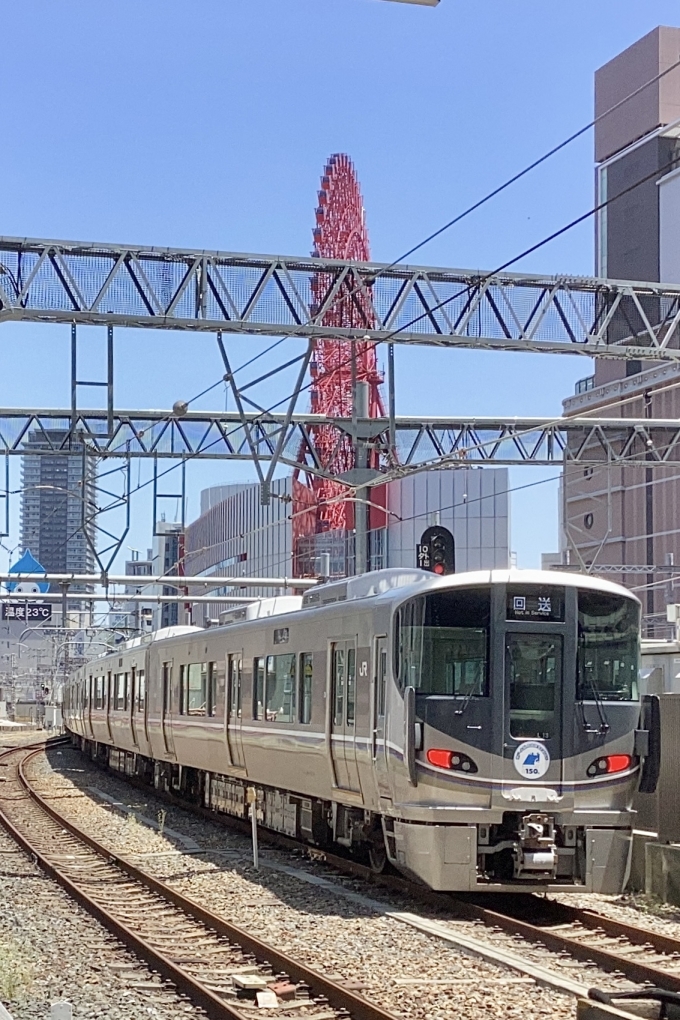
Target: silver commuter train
[479,731]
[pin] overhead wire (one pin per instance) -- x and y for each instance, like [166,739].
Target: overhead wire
[458,218]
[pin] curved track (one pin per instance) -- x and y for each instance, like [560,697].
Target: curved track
[203,955]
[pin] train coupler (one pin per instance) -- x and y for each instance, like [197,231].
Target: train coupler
[535,854]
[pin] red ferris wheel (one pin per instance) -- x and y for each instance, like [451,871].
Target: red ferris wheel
[338,364]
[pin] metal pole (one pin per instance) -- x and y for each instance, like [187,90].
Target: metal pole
[74,376]
[109,380]
[360,410]
[391,405]
[252,800]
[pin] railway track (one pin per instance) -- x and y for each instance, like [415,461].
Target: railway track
[218,966]
[139,904]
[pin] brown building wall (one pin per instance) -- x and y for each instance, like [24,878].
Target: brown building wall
[628,514]
[659,104]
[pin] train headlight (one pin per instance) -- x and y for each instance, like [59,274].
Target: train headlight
[454,760]
[610,763]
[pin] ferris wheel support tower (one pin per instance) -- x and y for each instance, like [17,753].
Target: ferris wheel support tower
[345,376]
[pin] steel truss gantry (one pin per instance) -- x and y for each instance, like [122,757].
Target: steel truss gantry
[174,288]
[272,438]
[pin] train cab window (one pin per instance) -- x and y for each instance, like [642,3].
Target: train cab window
[258,688]
[280,686]
[193,684]
[141,690]
[306,674]
[608,647]
[535,673]
[441,643]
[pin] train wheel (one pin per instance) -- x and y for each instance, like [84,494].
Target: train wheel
[377,853]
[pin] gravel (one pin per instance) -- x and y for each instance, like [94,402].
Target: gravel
[405,971]
[51,950]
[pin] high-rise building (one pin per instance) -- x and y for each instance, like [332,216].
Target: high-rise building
[168,560]
[621,516]
[58,505]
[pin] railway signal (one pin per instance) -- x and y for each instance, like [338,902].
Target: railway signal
[436,551]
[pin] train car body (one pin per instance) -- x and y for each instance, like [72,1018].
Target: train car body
[478,731]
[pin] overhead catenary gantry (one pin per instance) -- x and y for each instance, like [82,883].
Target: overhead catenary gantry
[172,288]
[420,442]
[222,293]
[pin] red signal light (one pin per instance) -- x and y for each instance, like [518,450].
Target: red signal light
[438,568]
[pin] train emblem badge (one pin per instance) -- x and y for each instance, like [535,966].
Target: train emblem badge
[531,759]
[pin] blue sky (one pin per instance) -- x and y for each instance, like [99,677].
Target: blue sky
[208,125]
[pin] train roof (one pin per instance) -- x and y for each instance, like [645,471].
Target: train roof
[403,583]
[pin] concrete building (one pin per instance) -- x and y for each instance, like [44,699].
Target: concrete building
[236,535]
[625,516]
[56,504]
[135,617]
[167,559]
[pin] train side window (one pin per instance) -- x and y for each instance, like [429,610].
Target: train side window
[258,688]
[338,661]
[167,687]
[235,683]
[211,704]
[351,684]
[306,674]
[182,688]
[193,683]
[382,680]
[281,688]
[120,693]
[99,692]
[141,690]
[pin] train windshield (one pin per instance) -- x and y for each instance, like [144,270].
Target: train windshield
[442,643]
[608,647]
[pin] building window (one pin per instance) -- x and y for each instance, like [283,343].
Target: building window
[306,677]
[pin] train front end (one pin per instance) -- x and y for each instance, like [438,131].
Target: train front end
[524,741]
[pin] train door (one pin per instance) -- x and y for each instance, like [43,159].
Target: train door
[379,751]
[234,707]
[343,661]
[532,732]
[166,713]
[133,705]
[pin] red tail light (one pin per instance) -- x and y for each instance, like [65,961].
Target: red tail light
[440,758]
[610,763]
[455,760]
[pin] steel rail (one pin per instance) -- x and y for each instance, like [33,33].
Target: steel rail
[468,907]
[337,996]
